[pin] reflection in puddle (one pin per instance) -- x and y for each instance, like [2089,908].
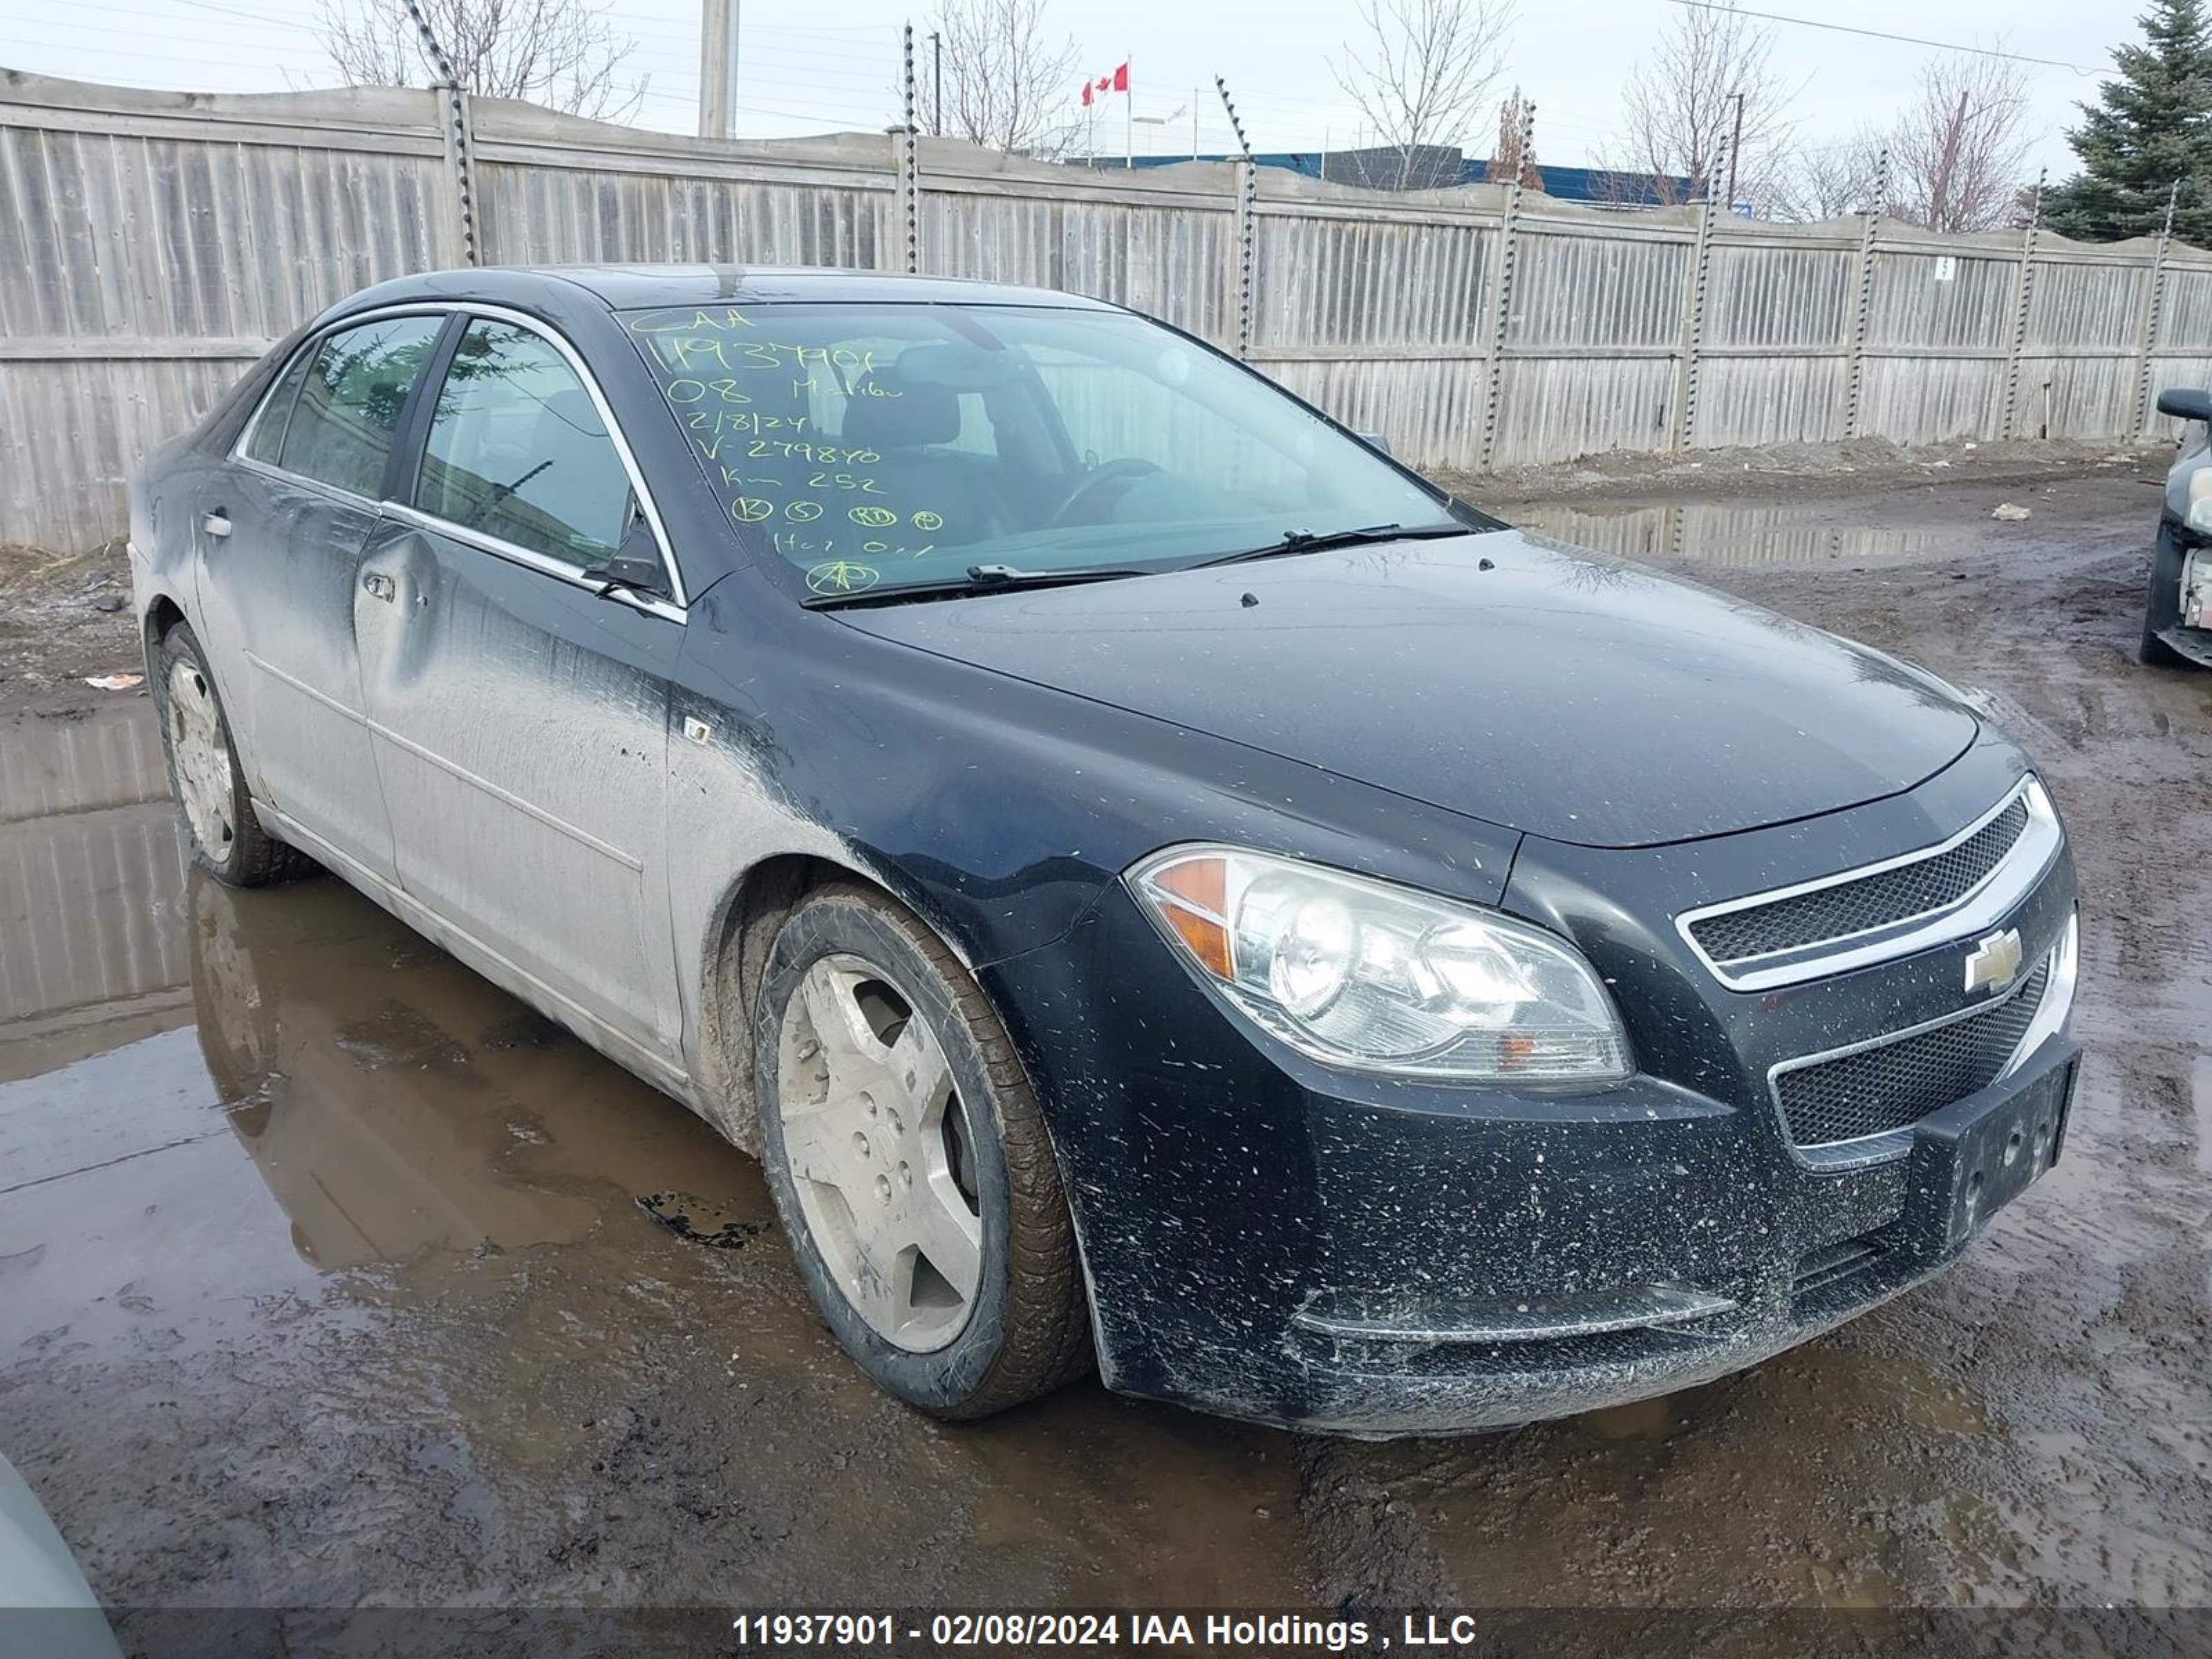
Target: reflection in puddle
[1721,533]
[529,1375]
[390,1101]
[92,955]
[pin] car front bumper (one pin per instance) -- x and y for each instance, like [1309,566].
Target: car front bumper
[1271,1239]
[1448,1366]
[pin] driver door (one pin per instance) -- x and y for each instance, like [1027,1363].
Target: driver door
[520,710]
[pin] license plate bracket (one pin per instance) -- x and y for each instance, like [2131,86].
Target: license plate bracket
[1972,1159]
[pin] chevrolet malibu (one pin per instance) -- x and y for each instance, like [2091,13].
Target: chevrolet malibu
[1156,884]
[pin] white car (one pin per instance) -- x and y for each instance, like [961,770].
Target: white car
[46,1606]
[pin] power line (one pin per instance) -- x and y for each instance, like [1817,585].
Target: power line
[1880,34]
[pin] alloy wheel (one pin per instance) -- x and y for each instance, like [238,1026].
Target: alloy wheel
[876,1140]
[201,754]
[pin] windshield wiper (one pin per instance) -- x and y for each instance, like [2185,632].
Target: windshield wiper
[1320,541]
[980,579]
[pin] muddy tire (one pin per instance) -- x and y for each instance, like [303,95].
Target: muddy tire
[2162,605]
[224,837]
[910,1164]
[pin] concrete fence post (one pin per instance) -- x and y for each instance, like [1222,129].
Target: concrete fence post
[460,236]
[456,129]
[1247,255]
[1248,225]
[2154,316]
[1501,298]
[1862,304]
[909,168]
[2023,300]
[1693,328]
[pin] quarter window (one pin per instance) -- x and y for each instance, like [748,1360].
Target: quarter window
[267,443]
[349,401]
[517,450]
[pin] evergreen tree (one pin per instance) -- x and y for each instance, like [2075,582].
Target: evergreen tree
[2148,128]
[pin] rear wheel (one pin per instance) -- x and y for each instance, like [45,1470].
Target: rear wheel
[225,838]
[910,1164]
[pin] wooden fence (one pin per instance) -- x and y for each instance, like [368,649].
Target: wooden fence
[151,244]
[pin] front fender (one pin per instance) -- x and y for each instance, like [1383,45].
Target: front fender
[997,810]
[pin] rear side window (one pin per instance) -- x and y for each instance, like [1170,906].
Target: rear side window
[517,450]
[349,405]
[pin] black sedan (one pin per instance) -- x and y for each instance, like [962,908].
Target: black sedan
[1157,884]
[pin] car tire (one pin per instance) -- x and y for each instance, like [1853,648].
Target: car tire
[208,784]
[2162,604]
[879,1141]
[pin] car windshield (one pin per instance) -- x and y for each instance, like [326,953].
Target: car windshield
[889,448]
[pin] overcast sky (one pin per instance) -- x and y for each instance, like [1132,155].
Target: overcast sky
[799,73]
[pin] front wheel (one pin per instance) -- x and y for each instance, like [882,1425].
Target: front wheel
[225,838]
[910,1164]
[2162,605]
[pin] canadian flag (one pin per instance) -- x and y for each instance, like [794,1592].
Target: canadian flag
[1117,81]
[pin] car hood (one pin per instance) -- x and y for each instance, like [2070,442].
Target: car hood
[1531,684]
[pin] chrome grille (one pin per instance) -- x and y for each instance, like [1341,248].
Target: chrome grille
[1890,1086]
[1848,908]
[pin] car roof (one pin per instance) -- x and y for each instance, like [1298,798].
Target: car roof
[633,288]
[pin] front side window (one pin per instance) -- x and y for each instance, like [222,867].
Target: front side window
[348,409]
[881,446]
[517,450]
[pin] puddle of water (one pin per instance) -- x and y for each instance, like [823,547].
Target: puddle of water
[206,1095]
[1723,534]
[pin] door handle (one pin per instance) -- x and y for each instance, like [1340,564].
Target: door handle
[380,587]
[217,523]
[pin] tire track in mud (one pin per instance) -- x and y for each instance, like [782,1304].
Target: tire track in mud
[1364,1535]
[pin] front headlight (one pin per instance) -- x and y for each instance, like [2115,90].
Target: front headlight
[2199,516]
[1360,973]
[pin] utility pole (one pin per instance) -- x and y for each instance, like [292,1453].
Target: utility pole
[1735,147]
[937,69]
[718,68]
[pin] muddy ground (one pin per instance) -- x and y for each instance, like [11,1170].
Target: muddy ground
[330,1275]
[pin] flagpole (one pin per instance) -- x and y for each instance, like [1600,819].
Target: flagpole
[1128,118]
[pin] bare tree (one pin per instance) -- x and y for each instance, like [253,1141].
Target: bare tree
[1428,72]
[1007,86]
[1828,181]
[563,53]
[1514,154]
[1680,117]
[1957,152]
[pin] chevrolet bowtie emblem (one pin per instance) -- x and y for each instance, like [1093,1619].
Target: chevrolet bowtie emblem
[1994,963]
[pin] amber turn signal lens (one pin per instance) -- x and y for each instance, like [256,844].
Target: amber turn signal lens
[1203,884]
[1208,941]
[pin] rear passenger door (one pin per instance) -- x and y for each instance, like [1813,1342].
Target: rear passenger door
[281,530]
[519,709]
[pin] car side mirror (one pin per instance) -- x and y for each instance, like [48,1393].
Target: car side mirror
[2186,404]
[637,563]
[1375,441]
